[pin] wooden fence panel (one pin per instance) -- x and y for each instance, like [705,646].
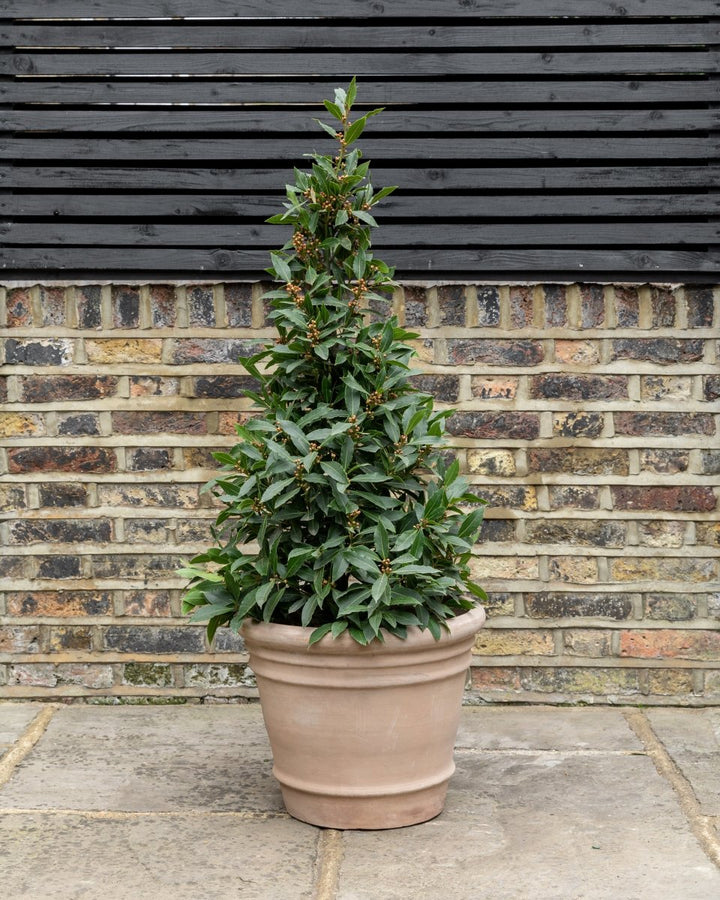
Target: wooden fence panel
[556,137]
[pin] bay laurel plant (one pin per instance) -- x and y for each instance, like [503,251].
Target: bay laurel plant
[340,512]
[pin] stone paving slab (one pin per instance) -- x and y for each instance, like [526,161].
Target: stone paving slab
[541,728]
[543,827]
[14,719]
[159,759]
[220,857]
[175,802]
[692,738]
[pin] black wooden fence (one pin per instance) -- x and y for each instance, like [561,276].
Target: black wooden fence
[558,138]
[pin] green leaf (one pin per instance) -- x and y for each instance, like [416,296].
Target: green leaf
[281,267]
[364,217]
[200,573]
[210,611]
[412,569]
[320,633]
[333,109]
[380,588]
[328,128]
[276,488]
[382,544]
[355,130]
[335,471]
[295,435]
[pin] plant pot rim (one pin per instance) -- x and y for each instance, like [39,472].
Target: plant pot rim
[296,637]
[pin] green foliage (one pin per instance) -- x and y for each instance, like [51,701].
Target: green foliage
[339,484]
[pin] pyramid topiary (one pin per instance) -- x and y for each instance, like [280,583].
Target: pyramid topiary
[340,512]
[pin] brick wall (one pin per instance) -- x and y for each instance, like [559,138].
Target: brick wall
[587,416]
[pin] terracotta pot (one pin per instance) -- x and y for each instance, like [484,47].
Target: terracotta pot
[362,737]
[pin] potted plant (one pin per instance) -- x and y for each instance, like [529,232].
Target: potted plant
[341,552]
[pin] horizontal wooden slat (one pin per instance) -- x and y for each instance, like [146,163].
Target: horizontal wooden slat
[527,148]
[540,234]
[235,36]
[477,206]
[427,261]
[346,64]
[371,93]
[426,178]
[296,121]
[359,9]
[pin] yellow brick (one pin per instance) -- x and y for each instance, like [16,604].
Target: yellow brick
[574,569]
[664,569]
[13,424]
[497,642]
[491,462]
[114,350]
[486,567]
[425,350]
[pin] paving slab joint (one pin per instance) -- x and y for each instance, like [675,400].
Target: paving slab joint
[329,857]
[702,826]
[25,743]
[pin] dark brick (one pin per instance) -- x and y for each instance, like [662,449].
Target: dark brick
[146,531]
[555,305]
[465,351]
[127,565]
[576,532]
[416,306]
[452,303]
[19,308]
[227,641]
[579,461]
[154,386]
[58,494]
[710,461]
[381,307]
[152,639]
[224,385]
[662,423]
[711,387]
[3,389]
[665,462]
[126,306]
[663,351]
[238,304]
[58,566]
[61,459]
[592,305]
[212,350]
[669,499]
[664,306]
[169,496]
[12,566]
[492,425]
[68,531]
[699,301]
[147,603]
[56,388]
[521,306]
[443,387]
[671,607]
[578,424]
[190,531]
[144,459]
[85,423]
[507,496]
[12,497]
[547,605]
[497,530]
[559,385]
[574,496]
[59,603]
[89,308]
[201,305]
[52,304]
[488,306]
[627,306]
[38,352]
[132,422]
[70,638]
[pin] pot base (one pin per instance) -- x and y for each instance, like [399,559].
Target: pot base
[365,813]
